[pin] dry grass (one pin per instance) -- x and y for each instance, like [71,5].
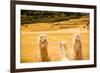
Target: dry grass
[55,33]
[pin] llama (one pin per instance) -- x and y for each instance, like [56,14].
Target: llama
[77,48]
[43,44]
[62,47]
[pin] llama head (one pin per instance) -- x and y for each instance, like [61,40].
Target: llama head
[76,37]
[62,43]
[43,37]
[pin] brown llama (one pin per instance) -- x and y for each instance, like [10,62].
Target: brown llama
[43,45]
[77,48]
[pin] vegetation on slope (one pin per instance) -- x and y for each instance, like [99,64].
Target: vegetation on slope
[33,16]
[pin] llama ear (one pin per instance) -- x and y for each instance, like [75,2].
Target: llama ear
[63,42]
[43,34]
